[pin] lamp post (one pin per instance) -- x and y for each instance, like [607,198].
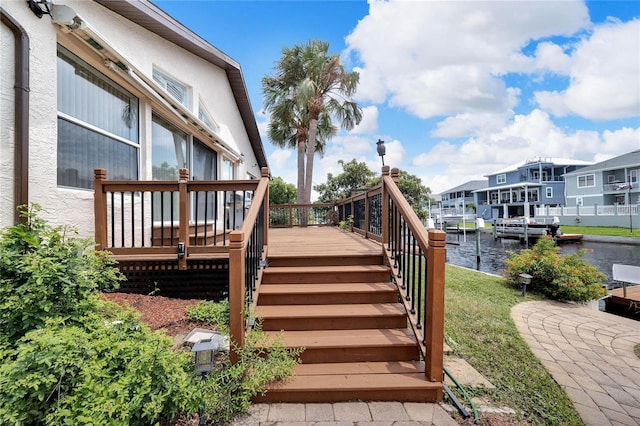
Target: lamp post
[381,149]
[204,361]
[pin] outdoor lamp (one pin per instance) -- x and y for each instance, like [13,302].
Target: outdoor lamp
[525,279]
[203,360]
[381,149]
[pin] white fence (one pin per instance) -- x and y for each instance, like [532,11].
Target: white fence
[610,210]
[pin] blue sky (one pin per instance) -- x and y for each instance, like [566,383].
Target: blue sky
[456,89]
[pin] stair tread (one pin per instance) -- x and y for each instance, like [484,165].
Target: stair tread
[343,382]
[318,339]
[354,368]
[327,288]
[311,269]
[322,311]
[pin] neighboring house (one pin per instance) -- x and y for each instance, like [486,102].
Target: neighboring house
[521,188]
[118,85]
[460,197]
[605,193]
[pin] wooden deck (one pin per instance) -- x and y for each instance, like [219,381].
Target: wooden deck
[319,242]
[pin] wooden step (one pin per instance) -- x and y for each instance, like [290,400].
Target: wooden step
[325,274]
[368,345]
[367,381]
[332,317]
[324,260]
[323,294]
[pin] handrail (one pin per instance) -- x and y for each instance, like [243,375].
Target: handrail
[416,258]
[247,252]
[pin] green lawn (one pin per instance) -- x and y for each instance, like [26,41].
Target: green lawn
[614,231]
[479,328]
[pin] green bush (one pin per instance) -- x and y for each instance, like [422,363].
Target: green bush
[556,276]
[229,388]
[107,368]
[47,272]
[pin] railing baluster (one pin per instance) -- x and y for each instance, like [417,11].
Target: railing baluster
[121,218]
[133,228]
[113,220]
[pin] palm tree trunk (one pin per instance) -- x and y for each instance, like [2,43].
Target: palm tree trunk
[301,188]
[311,150]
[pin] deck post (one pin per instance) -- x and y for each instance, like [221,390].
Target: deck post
[183,230]
[100,208]
[385,209]
[236,292]
[434,327]
[265,175]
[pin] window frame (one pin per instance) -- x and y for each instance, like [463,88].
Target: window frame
[586,178]
[163,78]
[501,178]
[549,192]
[65,54]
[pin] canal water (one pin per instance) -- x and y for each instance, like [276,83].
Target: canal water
[461,251]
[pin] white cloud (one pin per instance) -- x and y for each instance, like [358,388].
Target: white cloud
[604,72]
[447,58]
[526,136]
[369,122]
[551,57]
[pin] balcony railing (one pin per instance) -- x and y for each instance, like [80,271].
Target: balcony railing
[416,258]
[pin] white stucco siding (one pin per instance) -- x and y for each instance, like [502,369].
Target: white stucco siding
[145,50]
[7,125]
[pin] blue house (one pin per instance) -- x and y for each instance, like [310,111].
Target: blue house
[521,188]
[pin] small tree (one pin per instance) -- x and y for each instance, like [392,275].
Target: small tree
[281,192]
[355,176]
[556,276]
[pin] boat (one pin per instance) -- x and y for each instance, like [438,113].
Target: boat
[525,229]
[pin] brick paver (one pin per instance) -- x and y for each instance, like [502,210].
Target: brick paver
[590,354]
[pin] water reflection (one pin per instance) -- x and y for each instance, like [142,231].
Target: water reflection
[461,251]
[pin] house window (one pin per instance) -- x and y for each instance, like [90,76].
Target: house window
[585,181]
[502,178]
[611,178]
[549,193]
[205,117]
[633,175]
[227,172]
[97,125]
[179,91]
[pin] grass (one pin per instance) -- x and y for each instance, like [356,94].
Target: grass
[479,328]
[614,231]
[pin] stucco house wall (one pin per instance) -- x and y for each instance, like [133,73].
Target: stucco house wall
[144,50]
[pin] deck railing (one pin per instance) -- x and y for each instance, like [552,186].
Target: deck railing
[416,258]
[184,218]
[247,259]
[290,215]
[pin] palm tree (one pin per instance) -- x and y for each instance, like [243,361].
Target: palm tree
[309,88]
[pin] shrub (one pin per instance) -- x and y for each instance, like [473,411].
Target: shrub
[229,388]
[556,276]
[107,368]
[47,272]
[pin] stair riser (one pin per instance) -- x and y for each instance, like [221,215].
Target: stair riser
[326,261]
[325,277]
[336,395]
[327,299]
[360,354]
[342,323]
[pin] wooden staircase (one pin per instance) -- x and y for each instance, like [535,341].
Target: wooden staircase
[344,310]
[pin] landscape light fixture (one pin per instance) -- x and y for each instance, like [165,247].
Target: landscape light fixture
[204,361]
[381,149]
[525,280]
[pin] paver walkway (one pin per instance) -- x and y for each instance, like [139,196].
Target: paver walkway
[590,354]
[347,414]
